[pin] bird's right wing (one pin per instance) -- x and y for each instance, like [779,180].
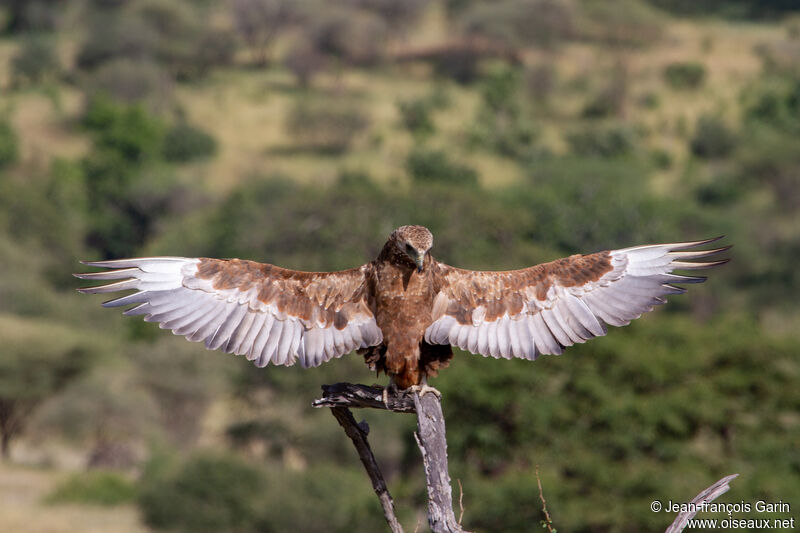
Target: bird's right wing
[267,313]
[544,308]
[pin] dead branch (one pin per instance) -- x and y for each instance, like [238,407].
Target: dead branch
[709,495]
[358,434]
[361,396]
[430,436]
[432,443]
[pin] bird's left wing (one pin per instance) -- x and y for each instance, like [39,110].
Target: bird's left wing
[544,308]
[267,313]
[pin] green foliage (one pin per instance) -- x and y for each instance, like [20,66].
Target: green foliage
[124,130]
[337,511]
[213,493]
[39,358]
[94,488]
[686,409]
[415,116]
[317,125]
[774,103]
[9,144]
[713,138]
[435,166]
[35,61]
[685,75]
[501,124]
[609,141]
[184,142]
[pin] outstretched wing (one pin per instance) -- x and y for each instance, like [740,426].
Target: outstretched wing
[267,313]
[544,308]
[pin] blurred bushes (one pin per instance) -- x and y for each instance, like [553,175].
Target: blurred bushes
[223,493]
[415,115]
[94,488]
[206,493]
[501,122]
[317,125]
[184,142]
[131,81]
[9,144]
[685,75]
[35,62]
[608,141]
[517,23]
[434,166]
[713,138]
[39,360]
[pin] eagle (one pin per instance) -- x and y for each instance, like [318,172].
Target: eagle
[404,310]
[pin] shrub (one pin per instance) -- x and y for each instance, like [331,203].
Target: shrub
[111,36]
[9,144]
[610,141]
[31,15]
[610,100]
[518,23]
[124,129]
[500,124]
[304,61]
[184,142]
[435,166]
[207,493]
[621,23]
[540,81]
[131,80]
[685,75]
[94,488]
[355,37]
[35,61]
[415,116]
[712,138]
[775,103]
[321,126]
[259,22]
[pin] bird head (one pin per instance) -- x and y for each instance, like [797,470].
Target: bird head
[415,242]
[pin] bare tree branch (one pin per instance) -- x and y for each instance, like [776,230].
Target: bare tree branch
[358,434]
[709,495]
[361,396]
[432,443]
[430,436]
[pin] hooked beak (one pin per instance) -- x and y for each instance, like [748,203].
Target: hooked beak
[420,259]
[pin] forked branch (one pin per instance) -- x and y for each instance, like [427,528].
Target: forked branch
[430,436]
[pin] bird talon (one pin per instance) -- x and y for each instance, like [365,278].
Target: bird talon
[424,389]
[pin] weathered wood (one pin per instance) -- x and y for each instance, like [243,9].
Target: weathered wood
[709,495]
[358,434]
[432,443]
[430,436]
[361,396]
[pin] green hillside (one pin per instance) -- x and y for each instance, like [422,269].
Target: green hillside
[300,134]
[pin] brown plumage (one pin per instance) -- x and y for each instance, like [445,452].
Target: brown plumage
[404,310]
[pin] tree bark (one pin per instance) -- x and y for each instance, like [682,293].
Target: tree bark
[430,437]
[708,495]
[358,434]
[432,443]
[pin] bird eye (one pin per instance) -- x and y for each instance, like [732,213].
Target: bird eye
[409,248]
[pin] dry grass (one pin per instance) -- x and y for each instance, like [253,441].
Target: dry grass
[22,490]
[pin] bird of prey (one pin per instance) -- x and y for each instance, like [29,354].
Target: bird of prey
[404,310]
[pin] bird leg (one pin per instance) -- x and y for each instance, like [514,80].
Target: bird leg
[423,388]
[391,387]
